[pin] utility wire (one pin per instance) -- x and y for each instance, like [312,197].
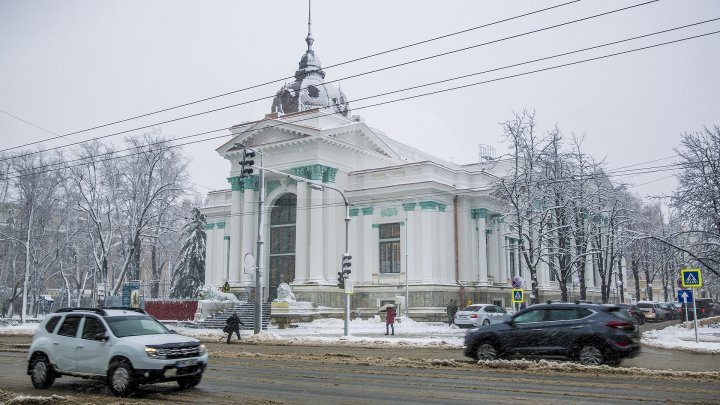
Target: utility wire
[291,77]
[460,77]
[336,80]
[420,95]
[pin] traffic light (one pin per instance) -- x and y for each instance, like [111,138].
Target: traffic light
[247,162]
[341,280]
[346,265]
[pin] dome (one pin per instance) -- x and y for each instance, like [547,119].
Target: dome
[309,91]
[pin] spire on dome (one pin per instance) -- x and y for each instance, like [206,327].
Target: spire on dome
[309,39]
[308,91]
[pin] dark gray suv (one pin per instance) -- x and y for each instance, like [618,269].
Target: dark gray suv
[593,334]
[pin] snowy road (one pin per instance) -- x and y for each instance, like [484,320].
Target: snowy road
[286,374]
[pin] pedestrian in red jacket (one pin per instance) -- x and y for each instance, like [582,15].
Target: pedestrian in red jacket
[390,320]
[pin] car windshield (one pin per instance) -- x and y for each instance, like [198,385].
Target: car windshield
[471,308]
[138,325]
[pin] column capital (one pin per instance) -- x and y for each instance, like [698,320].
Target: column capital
[367,210]
[236,183]
[478,213]
[428,205]
[409,206]
[316,172]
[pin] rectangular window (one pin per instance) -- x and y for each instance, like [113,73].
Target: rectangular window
[389,248]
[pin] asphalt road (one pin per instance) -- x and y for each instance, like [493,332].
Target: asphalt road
[346,374]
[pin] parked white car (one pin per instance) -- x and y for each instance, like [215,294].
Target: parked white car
[476,315]
[653,311]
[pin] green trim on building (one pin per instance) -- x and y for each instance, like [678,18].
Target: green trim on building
[272,185]
[488,231]
[376,226]
[428,205]
[209,227]
[329,175]
[354,212]
[409,206]
[227,237]
[236,183]
[478,213]
[367,210]
[220,225]
[316,172]
[251,183]
[388,212]
[442,207]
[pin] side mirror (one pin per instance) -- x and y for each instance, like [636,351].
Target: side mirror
[509,321]
[102,336]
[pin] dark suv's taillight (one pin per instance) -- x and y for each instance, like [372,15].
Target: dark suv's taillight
[620,325]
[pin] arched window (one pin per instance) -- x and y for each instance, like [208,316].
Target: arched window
[282,242]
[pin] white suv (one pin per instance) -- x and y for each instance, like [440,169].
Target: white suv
[122,346]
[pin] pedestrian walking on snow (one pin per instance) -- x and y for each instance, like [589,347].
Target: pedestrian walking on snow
[390,320]
[232,325]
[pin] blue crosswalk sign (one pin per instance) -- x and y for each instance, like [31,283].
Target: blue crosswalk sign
[691,278]
[517,295]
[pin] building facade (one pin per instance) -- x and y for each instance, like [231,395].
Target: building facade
[422,230]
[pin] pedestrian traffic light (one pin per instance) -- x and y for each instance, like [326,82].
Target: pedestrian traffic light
[247,162]
[341,280]
[346,264]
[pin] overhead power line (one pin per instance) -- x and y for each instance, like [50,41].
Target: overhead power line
[331,81]
[434,92]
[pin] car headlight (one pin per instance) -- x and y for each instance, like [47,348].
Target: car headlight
[203,349]
[155,353]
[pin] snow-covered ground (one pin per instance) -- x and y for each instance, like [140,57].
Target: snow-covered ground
[411,333]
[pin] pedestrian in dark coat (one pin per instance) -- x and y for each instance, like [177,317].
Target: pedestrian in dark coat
[390,320]
[452,308]
[232,325]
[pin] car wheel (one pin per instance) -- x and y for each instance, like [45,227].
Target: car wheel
[189,382]
[486,351]
[120,378]
[591,355]
[41,372]
[486,322]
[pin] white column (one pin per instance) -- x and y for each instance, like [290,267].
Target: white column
[369,244]
[408,241]
[209,257]
[427,231]
[482,258]
[315,259]
[235,232]
[502,253]
[302,273]
[331,235]
[247,237]
[493,263]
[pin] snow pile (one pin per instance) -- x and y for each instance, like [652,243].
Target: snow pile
[13,398]
[680,338]
[572,367]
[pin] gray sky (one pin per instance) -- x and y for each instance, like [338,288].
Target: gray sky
[71,65]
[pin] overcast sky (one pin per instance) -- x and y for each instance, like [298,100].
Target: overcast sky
[70,65]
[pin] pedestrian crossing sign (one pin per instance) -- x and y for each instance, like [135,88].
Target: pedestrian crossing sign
[691,278]
[517,295]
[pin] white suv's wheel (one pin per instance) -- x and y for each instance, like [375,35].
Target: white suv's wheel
[120,379]
[41,372]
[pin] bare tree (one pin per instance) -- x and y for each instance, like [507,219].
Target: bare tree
[152,175]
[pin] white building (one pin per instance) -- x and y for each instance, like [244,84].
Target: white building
[418,225]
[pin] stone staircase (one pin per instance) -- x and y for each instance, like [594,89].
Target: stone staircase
[245,311]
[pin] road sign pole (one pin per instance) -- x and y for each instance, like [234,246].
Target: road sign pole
[695,314]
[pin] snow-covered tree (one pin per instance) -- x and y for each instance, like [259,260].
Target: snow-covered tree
[189,274]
